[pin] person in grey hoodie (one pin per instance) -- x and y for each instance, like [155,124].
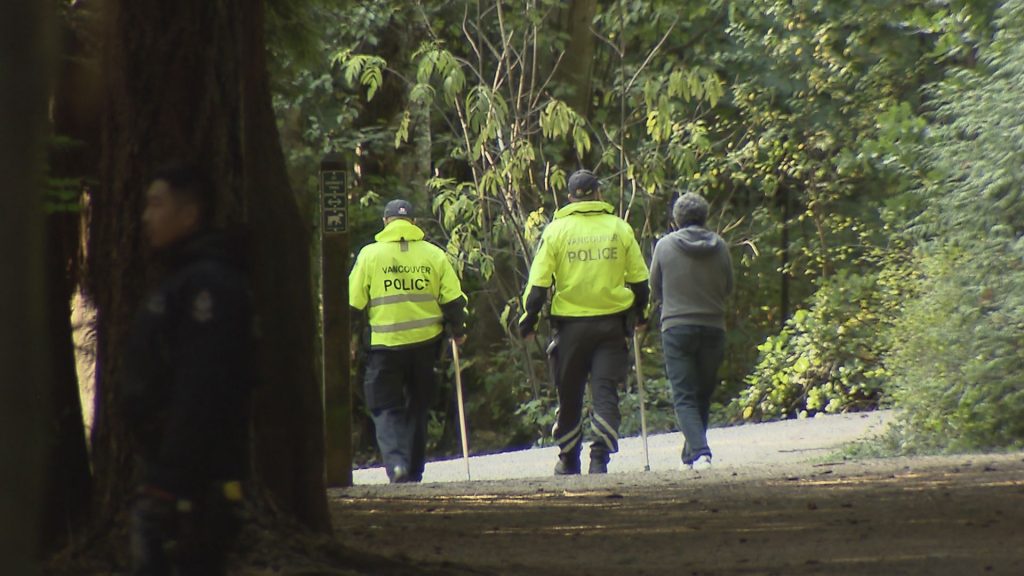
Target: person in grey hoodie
[691,276]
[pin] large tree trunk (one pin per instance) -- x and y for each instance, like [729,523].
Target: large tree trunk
[23,343]
[289,410]
[188,79]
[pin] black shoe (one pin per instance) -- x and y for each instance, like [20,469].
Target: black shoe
[599,459]
[568,464]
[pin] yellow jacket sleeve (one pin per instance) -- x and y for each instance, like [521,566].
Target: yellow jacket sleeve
[358,285]
[451,288]
[542,271]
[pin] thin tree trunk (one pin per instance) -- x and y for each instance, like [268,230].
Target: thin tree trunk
[73,115]
[419,124]
[577,67]
[784,254]
[23,342]
[70,482]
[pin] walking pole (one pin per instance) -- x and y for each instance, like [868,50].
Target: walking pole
[462,407]
[640,392]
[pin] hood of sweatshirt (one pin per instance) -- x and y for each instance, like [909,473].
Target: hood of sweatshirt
[696,241]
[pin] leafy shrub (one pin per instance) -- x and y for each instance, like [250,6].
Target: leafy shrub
[828,357]
[959,367]
[958,353]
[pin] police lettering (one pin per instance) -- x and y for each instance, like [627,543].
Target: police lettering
[593,239]
[592,254]
[406,284]
[403,269]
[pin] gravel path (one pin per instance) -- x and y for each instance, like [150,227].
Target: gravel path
[778,502]
[750,449]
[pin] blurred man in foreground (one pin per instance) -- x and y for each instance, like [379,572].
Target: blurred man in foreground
[188,382]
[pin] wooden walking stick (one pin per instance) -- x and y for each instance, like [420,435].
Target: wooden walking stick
[640,393]
[462,407]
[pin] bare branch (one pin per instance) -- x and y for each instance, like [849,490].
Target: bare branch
[651,54]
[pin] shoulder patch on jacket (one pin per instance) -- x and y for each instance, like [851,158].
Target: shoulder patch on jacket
[156,304]
[202,307]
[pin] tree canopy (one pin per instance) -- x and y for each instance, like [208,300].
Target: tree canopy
[862,158]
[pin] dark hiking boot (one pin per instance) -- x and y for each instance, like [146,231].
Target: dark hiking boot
[598,462]
[568,464]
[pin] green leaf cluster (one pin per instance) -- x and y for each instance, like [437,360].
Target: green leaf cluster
[862,157]
[958,353]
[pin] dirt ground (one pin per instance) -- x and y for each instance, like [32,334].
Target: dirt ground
[777,502]
[936,516]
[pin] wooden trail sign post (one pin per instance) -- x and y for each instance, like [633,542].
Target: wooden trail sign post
[337,392]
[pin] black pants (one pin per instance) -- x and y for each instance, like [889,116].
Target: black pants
[400,386]
[172,537]
[593,348]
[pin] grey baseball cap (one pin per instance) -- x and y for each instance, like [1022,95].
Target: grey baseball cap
[398,209]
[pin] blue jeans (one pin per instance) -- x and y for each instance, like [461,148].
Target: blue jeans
[692,357]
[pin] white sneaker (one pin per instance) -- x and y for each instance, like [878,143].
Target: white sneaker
[701,463]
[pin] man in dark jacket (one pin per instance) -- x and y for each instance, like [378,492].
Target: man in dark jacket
[187,384]
[691,275]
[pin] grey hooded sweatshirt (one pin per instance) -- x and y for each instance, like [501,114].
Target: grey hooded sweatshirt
[691,275]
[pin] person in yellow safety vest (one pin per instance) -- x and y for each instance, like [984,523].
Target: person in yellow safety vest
[411,295]
[591,260]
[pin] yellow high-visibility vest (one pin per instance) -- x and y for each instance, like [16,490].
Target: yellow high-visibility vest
[589,255]
[402,280]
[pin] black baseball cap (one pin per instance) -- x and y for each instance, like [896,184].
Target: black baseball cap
[398,209]
[583,184]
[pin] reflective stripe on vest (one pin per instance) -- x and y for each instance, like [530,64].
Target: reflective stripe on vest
[410,325]
[381,300]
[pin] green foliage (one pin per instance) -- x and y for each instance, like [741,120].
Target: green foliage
[558,120]
[958,366]
[63,194]
[828,357]
[853,153]
[366,69]
[958,355]
[661,416]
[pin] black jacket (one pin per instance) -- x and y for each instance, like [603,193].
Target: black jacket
[188,368]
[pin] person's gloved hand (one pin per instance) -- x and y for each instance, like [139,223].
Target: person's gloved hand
[526,328]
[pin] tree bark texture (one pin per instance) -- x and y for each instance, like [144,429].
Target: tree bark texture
[74,115]
[69,480]
[24,62]
[188,79]
[289,410]
[577,66]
